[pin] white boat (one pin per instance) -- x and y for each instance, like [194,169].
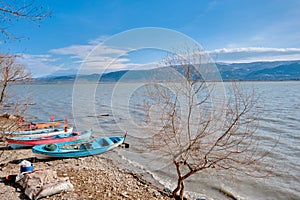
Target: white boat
[42,132]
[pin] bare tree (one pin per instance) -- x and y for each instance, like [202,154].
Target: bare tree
[10,72]
[196,129]
[12,106]
[12,12]
[16,10]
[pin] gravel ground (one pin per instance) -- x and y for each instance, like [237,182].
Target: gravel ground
[93,177]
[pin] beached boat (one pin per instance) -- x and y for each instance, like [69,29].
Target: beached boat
[21,142]
[39,125]
[78,148]
[42,132]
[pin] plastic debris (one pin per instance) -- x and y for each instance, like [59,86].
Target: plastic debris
[26,166]
[25,163]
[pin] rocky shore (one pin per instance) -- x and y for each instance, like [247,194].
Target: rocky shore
[94,177]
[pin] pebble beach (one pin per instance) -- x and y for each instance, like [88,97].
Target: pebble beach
[93,177]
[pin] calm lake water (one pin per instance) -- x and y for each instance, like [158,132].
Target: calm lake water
[109,110]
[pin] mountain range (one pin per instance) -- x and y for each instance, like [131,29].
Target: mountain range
[255,71]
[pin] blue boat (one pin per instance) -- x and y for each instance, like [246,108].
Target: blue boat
[78,148]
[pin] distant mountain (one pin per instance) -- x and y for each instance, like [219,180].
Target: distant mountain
[261,71]
[108,77]
[282,72]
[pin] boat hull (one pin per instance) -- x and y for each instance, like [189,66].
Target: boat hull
[80,148]
[39,125]
[42,132]
[22,142]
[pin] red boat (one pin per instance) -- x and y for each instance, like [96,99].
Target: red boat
[21,142]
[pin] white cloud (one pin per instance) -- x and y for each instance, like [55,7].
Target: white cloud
[254,49]
[95,57]
[254,54]
[39,65]
[76,51]
[98,64]
[99,40]
[82,51]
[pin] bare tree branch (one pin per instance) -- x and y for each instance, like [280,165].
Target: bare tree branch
[12,107]
[194,135]
[13,11]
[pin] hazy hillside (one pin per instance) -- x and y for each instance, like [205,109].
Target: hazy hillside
[280,70]
[275,71]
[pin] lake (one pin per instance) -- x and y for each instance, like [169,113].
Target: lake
[110,109]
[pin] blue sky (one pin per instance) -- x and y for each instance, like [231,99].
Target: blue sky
[231,30]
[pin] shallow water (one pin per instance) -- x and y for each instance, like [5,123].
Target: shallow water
[87,106]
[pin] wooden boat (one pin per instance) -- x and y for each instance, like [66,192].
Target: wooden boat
[41,125]
[78,148]
[42,132]
[20,142]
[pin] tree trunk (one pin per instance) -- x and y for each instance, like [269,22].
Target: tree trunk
[180,189]
[3,93]
[180,184]
[4,82]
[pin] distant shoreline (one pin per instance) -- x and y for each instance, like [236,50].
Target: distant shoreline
[256,71]
[133,82]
